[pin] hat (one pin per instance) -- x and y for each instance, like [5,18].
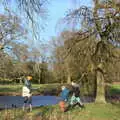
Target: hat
[29,77]
[74,84]
[63,87]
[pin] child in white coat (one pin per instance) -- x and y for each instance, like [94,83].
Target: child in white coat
[26,93]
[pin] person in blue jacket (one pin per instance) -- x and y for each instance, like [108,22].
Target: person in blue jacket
[64,94]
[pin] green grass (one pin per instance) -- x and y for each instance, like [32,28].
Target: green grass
[16,89]
[114,89]
[91,112]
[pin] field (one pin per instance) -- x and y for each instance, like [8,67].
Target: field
[16,89]
[91,112]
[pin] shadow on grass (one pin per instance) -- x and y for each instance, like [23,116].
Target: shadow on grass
[116,104]
[113,92]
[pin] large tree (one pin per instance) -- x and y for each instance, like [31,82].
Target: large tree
[103,21]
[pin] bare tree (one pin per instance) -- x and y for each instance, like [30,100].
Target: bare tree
[34,13]
[10,29]
[30,7]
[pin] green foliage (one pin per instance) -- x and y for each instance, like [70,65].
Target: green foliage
[113,90]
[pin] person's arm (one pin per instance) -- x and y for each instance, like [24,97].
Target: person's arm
[73,90]
[61,94]
[30,86]
[26,82]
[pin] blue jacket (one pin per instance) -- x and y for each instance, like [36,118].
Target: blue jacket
[65,94]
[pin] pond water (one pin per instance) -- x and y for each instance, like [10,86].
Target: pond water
[7,101]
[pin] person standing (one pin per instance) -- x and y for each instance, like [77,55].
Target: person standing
[27,93]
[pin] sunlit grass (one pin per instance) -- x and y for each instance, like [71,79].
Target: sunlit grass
[114,89]
[91,112]
[16,89]
[39,88]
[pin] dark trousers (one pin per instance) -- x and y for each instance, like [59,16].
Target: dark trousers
[28,100]
[74,105]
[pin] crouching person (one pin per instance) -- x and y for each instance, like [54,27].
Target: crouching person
[26,93]
[64,96]
[75,99]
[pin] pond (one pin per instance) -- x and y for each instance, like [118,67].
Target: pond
[7,101]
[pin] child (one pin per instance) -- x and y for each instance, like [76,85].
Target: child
[64,95]
[26,93]
[75,99]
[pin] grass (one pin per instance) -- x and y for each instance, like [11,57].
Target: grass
[91,112]
[16,89]
[114,89]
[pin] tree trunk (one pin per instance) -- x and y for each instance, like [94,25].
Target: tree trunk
[39,79]
[69,79]
[100,92]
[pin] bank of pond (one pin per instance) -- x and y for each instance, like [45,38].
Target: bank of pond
[48,94]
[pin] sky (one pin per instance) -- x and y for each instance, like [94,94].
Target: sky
[57,10]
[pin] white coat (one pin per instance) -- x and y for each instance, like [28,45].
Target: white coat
[26,92]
